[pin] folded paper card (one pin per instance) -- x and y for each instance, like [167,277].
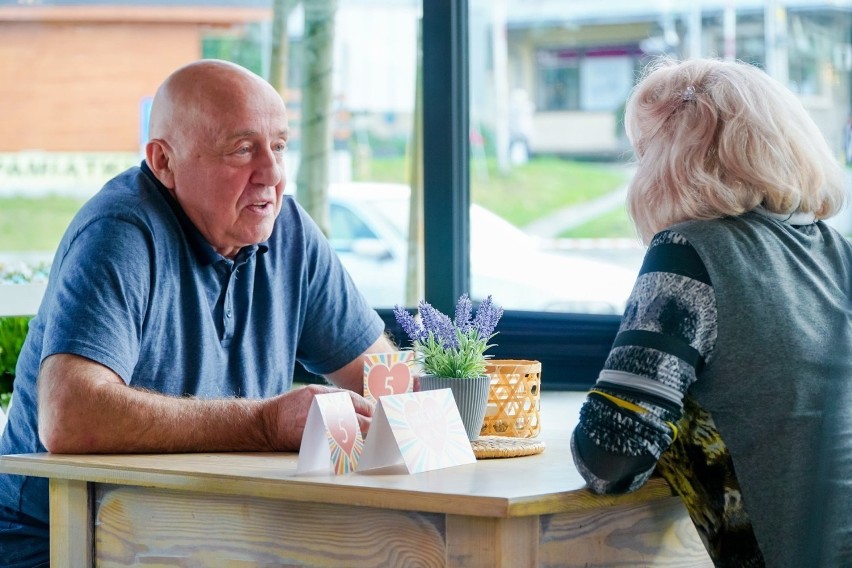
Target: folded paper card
[332,441]
[420,430]
[387,373]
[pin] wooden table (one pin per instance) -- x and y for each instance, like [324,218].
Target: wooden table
[253,510]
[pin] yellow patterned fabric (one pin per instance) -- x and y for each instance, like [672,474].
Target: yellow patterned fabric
[699,469]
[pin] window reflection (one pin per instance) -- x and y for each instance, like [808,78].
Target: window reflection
[548,81]
[562,178]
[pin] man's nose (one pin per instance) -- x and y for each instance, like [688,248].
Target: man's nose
[269,170]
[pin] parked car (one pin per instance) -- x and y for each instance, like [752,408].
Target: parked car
[369,231]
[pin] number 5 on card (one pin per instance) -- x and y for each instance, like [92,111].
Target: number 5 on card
[332,441]
[387,374]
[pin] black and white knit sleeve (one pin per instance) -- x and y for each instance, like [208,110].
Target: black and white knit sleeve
[668,331]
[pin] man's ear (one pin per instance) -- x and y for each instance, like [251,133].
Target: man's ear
[158,154]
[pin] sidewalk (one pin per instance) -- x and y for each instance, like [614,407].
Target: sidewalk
[552,225]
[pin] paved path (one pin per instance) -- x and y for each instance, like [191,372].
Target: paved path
[554,224]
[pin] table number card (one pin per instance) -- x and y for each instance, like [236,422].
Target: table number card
[332,441]
[422,430]
[388,373]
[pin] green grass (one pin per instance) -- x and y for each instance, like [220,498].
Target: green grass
[613,224]
[35,224]
[526,192]
[387,170]
[543,186]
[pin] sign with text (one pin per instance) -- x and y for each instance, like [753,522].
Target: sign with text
[388,373]
[420,430]
[332,441]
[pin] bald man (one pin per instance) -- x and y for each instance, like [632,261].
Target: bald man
[179,300]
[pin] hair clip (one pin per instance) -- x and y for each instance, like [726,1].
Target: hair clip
[689,93]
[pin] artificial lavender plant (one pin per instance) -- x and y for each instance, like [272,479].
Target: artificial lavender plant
[451,348]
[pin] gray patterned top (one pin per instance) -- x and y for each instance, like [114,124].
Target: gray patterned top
[639,418]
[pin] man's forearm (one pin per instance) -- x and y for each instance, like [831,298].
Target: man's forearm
[140,421]
[104,416]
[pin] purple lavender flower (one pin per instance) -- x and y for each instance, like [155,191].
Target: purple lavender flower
[451,347]
[487,316]
[462,316]
[409,325]
[446,332]
[428,316]
[439,325]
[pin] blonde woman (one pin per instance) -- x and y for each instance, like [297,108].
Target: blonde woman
[737,338]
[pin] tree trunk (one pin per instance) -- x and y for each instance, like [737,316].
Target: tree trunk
[316,123]
[281,10]
[414,269]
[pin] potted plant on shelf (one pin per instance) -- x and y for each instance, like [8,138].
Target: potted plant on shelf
[451,353]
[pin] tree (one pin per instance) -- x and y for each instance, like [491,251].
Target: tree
[281,10]
[316,110]
[414,268]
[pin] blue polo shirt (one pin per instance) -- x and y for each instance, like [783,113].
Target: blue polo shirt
[135,287]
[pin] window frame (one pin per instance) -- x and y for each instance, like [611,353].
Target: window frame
[571,347]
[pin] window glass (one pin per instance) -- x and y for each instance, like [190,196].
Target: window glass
[371,100]
[549,158]
[347,226]
[559,82]
[547,86]
[81,77]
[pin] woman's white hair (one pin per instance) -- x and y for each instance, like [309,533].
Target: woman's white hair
[718,138]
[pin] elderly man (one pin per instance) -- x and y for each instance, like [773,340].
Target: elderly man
[180,298]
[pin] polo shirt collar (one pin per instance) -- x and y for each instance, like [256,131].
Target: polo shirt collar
[205,253]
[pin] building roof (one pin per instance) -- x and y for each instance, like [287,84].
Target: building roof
[519,13]
[531,13]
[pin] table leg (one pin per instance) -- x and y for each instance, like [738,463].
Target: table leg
[501,543]
[70,524]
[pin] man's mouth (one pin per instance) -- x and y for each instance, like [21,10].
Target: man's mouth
[260,206]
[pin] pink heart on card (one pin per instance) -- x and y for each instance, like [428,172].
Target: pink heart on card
[342,426]
[427,422]
[383,381]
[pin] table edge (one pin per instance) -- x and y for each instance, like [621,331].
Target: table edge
[308,490]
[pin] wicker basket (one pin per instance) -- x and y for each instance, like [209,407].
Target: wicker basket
[514,401]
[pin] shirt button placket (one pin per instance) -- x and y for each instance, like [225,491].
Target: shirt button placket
[229,308]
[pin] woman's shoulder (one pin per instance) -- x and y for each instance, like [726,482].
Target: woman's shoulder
[670,236]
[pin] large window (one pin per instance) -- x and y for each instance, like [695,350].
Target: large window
[469,146]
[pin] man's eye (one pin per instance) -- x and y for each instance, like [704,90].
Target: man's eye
[244,150]
[280,147]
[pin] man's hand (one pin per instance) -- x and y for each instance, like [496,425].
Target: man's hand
[286,415]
